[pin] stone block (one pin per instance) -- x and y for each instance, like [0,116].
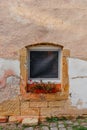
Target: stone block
[66,52]
[42,118]
[33,97]
[24,105]
[61,96]
[18,119]
[14,119]
[56,111]
[29,128]
[62,129]
[53,124]
[65,78]
[30,121]
[45,128]
[38,104]
[54,128]
[3,119]
[56,103]
[46,112]
[30,112]
[50,97]
[10,107]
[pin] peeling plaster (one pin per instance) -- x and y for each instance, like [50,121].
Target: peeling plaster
[3,79]
[9,78]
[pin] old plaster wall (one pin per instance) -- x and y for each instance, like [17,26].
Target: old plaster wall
[9,78]
[12,104]
[23,22]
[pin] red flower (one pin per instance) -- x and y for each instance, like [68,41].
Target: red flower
[43,87]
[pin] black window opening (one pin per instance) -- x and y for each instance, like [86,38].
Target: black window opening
[43,64]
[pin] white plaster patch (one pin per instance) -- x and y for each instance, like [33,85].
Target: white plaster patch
[77,67]
[78,86]
[6,64]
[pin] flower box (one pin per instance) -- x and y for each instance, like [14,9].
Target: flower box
[43,87]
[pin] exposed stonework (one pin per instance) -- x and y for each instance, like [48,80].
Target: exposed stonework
[64,82]
[15,119]
[32,112]
[29,23]
[10,107]
[18,110]
[39,104]
[65,76]
[57,103]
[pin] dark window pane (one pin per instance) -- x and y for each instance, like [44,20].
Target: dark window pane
[43,64]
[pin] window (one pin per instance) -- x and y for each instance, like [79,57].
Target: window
[53,70]
[44,64]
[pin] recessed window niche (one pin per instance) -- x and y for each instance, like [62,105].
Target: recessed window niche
[44,71]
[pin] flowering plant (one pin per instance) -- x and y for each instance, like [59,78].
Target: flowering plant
[41,87]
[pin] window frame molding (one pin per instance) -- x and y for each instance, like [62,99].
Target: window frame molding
[65,53]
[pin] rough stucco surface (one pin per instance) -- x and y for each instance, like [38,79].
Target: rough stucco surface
[23,22]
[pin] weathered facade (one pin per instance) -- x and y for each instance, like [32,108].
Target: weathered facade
[16,103]
[52,24]
[64,82]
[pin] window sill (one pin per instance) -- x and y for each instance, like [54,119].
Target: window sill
[45,97]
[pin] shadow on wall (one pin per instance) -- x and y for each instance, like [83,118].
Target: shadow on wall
[78,82]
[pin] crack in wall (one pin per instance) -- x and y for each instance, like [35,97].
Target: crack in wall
[78,77]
